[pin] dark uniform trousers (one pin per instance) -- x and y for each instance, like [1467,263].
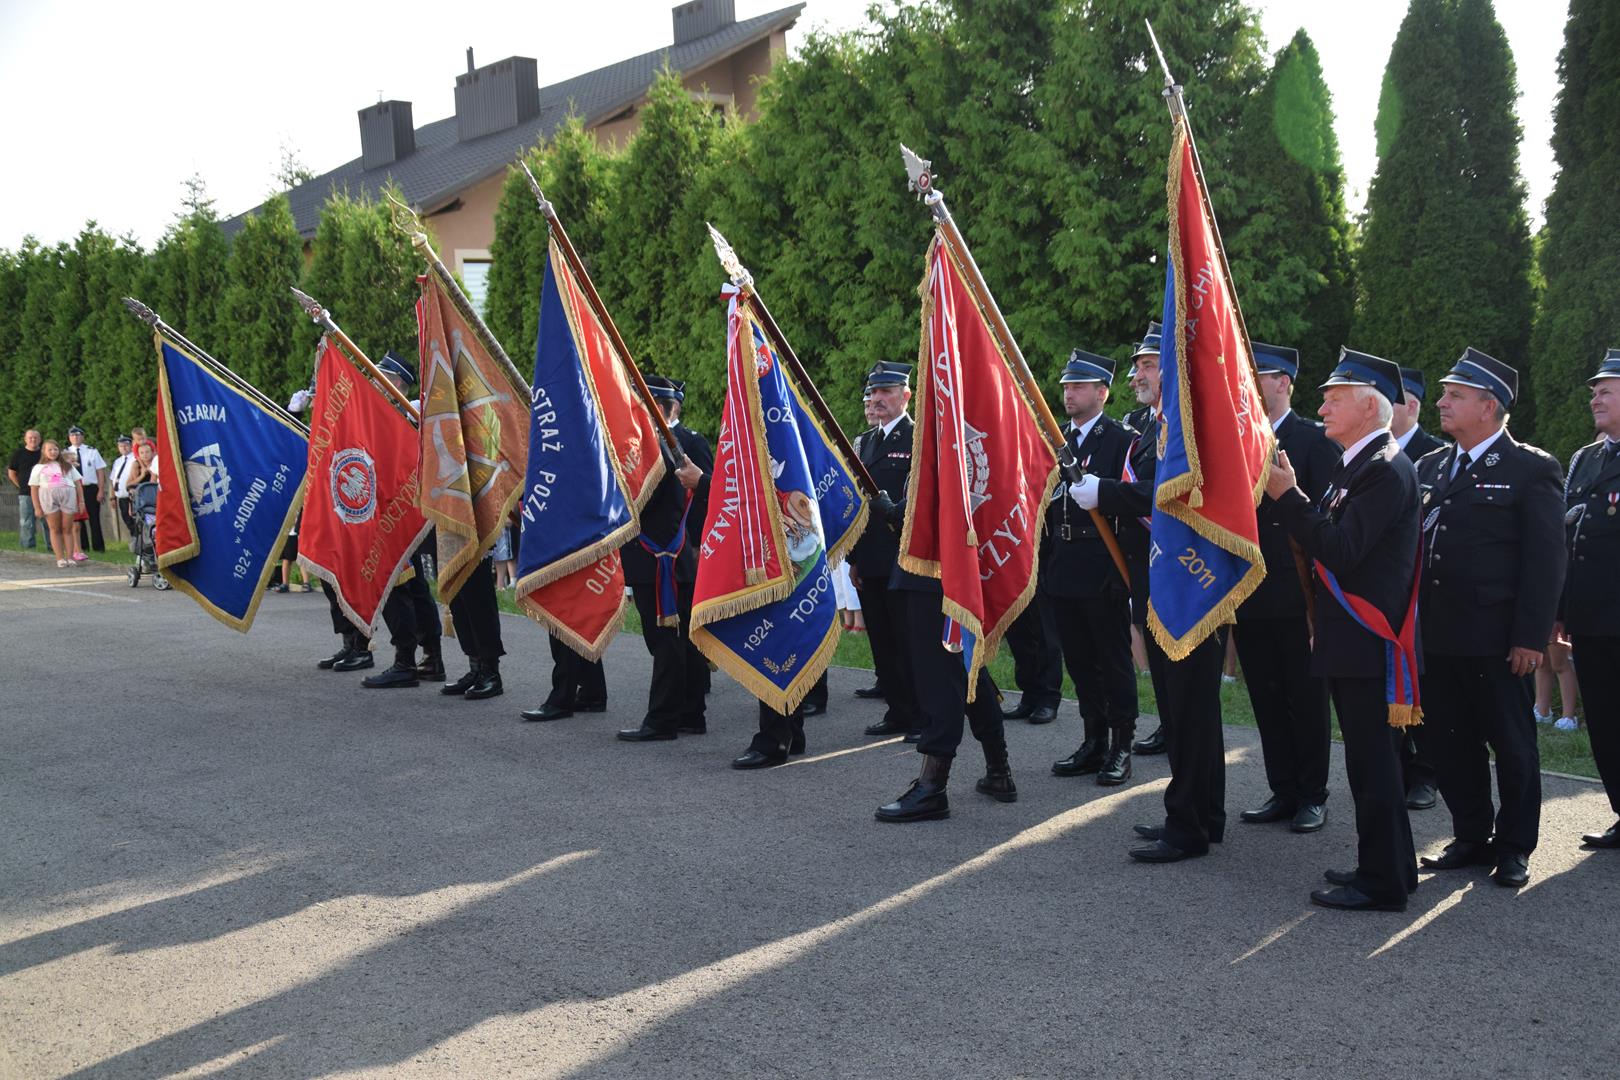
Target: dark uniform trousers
[884,610]
[1494,569]
[1290,706]
[942,685]
[1094,634]
[352,636]
[1037,657]
[409,613]
[574,679]
[477,617]
[778,733]
[818,692]
[1417,759]
[90,538]
[1589,611]
[1597,669]
[1472,705]
[1189,699]
[675,694]
[1386,862]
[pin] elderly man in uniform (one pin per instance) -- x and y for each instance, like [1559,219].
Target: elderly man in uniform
[675,702]
[1417,764]
[118,477]
[1272,633]
[885,450]
[1088,601]
[1188,691]
[1493,513]
[1144,379]
[93,467]
[1589,617]
[409,612]
[1364,539]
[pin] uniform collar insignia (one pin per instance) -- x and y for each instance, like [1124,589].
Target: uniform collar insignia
[1492,458]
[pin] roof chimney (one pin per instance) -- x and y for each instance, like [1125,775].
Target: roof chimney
[469,60]
[386,133]
[700,18]
[496,96]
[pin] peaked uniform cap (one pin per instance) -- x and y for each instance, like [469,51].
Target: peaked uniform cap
[1474,368]
[1364,369]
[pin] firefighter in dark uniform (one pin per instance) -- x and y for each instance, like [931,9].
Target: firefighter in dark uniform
[1417,765]
[675,702]
[577,685]
[1088,601]
[408,611]
[1188,691]
[1272,632]
[1365,533]
[1493,514]
[1146,389]
[885,450]
[1589,616]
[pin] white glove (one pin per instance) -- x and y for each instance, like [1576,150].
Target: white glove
[1084,492]
[300,401]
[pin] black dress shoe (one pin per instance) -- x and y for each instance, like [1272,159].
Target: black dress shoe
[342,654]
[487,686]
[1350,898]
[1148,832]
[692,727]
[461,685]
[645,734]
[1275,808]
[919,802]
[1610,838]
[1512,870]
[913,737]
[871,693]
[1339,877]
[1153,744]
[1161,852]
[1457,855]
[1043,715]
[1116,768]
[797,745]
[814,710]
[885,727]
[757,759]
[598,705]
[1421,797]
[396,675]
[357,661]
[1025,709]
[1088,758]
[1308,819]
[546,711]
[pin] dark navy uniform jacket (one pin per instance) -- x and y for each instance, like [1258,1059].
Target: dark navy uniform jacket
[1314,457]
[1591,600]
[1495,557]
[662,514]
[1421,444]
[1075,563]
[1130,502]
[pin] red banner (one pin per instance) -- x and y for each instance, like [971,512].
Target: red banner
[980,466]
[361,520]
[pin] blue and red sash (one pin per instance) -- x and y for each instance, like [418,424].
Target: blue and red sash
[664,556]
[1400,650]
[1128,474]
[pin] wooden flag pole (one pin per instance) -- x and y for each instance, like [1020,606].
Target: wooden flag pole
[321,317]
[554,226]
[922,182]
[744,281]
[1178,113]
[163,329]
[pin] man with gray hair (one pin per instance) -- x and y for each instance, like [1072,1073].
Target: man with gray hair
[23,460]
[1363,541]
[1493,518]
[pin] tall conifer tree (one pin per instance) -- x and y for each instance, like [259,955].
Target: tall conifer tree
[1580,253]
[262,326]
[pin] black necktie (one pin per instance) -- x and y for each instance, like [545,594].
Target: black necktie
[1463,461]
[1609,449]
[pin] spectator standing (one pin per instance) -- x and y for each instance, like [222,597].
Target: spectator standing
[18,471]
[118,477]
[54,487]
[93,469]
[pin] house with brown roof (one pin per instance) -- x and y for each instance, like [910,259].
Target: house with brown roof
[451,170]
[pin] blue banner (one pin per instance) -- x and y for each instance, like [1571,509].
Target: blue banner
[231,481]
[780,648]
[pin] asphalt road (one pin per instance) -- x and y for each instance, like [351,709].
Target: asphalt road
[218,861]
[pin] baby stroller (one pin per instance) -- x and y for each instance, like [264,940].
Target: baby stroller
[144,507]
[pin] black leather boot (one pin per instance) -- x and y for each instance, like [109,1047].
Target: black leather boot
[463,684]
[1116,767]
[431,668]
[997,781]
[925,799]
[401,673]
[488,684]
[1088,758]
[337,657]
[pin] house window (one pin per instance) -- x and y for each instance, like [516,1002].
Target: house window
[473,266]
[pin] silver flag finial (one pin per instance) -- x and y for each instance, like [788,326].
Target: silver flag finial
[141,311]
[307,302]
[534,186]
[734,268]
[920,170]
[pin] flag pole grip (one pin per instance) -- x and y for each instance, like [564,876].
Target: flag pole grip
[321,317]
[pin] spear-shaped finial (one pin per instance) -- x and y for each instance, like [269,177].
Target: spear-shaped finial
[919,170]
[734,268]
[309,304]
[534,185]
[1172,90]
[142,312]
